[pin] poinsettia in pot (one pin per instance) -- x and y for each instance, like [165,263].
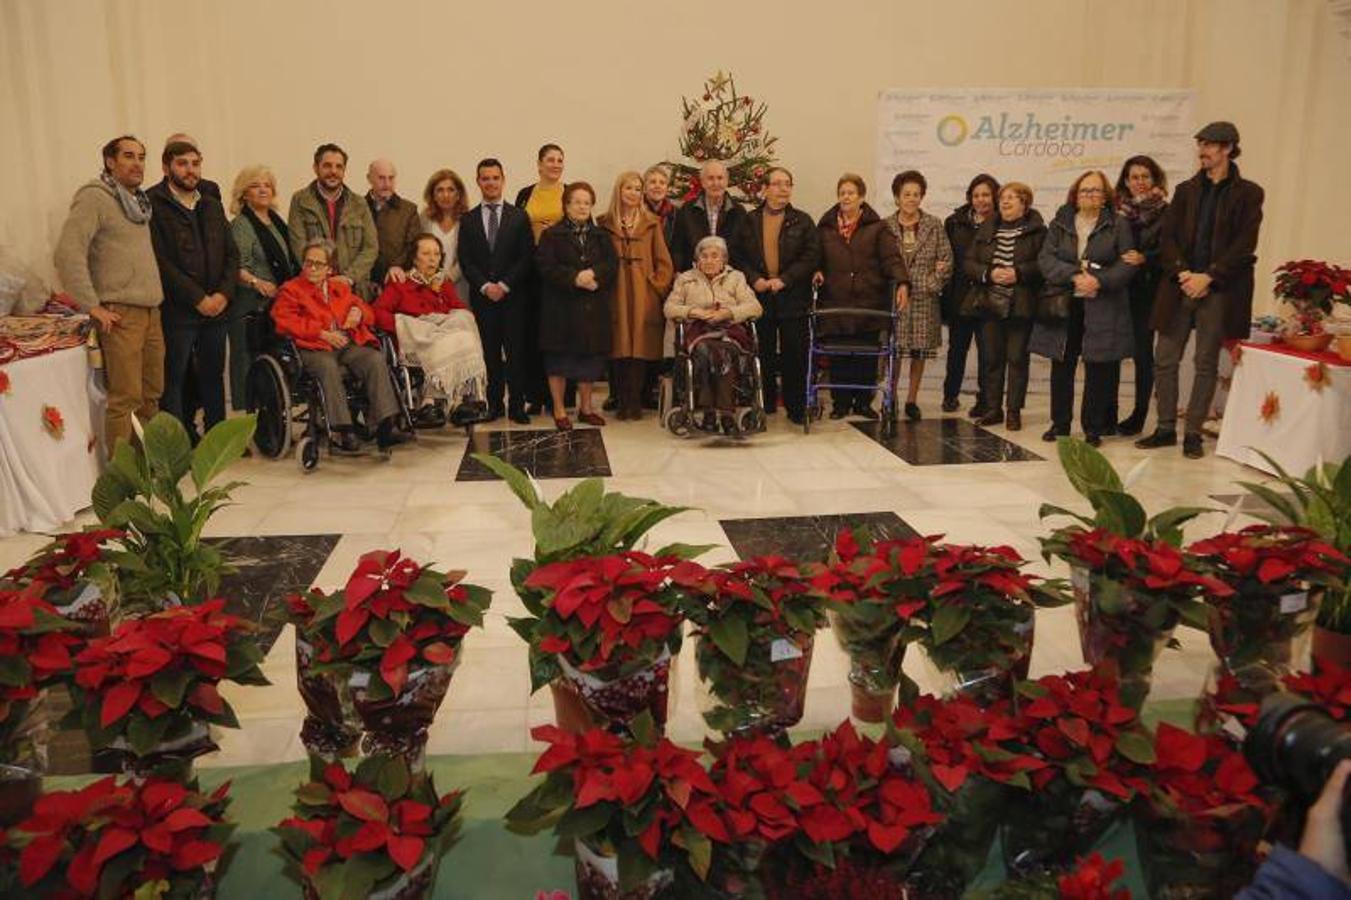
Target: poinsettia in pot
[977,624]
[36,649]
[137,838]
[1090,878]
[873,589]
[584,522]
[1131,584]
[1205,816]
[755,625]
[74,574]
[1277,575]
[635,811]
[1310,287]
[149,692]
[378,831]
[395,633]
[602,633]
[1098,754]
[846,804]
[331,729]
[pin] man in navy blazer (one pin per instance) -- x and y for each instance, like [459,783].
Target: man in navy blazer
[496,251]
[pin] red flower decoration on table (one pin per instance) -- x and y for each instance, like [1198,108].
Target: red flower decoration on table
[1271,407]
[1316,376]
[4,382]
[1236,353]
[1093,879]
[52,421]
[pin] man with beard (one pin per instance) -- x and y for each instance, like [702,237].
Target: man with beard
[198,263]
[327,208]
[107,264]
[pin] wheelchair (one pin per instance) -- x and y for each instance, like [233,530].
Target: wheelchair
[823,348]
[679,415]
[283,395]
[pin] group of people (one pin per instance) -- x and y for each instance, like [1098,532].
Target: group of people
[509,308]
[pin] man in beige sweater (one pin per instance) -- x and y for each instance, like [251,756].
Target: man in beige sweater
[107,264]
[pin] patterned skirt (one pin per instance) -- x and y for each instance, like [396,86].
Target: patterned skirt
[919,328]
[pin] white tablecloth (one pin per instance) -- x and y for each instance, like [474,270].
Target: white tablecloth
[1301,426]
[45,480]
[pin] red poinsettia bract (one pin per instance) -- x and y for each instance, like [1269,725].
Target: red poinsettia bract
[35,649]
[1092,878]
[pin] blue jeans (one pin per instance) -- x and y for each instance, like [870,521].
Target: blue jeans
[206,340]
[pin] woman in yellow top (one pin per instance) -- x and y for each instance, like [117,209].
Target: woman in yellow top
[543,203]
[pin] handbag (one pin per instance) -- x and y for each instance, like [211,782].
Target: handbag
[980,302]
[1053,304]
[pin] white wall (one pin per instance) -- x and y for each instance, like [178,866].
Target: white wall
[444,83]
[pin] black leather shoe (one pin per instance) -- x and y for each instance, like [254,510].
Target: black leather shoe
[708,422]
[797,419]
[611,404]
[994,417]
[1013,420]
[1131,425]
[1052,433]
[951,405]
[1192,447]
[1093,440]
[520,417]
[1108,431]
[912,412]
[977,412]
[1160,438]
[346,443]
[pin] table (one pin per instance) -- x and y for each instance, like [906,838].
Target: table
[46,476]
[1291,405]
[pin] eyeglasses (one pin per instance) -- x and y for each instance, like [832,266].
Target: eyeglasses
[316,264]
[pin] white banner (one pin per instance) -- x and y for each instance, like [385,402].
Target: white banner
[1044,138]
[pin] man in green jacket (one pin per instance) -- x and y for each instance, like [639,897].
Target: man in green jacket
[328,208]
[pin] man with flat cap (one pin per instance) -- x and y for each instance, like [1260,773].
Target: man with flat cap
[1207,249]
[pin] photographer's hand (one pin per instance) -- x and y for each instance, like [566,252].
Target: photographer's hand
[1323,841]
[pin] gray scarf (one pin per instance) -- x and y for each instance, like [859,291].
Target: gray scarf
[135,204]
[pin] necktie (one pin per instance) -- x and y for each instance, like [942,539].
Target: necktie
[493,222]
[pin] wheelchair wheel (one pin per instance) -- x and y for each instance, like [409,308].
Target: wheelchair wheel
[269,398]
[751,420]
[307,454]
[678,422]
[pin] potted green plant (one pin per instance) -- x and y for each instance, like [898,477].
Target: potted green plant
[1321,501]
[392,637]
[148,691]
[74,574]
[163,557]
[1132,586]
[755,625]
[1310,287]
[378,831]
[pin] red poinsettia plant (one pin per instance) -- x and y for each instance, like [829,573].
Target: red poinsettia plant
[1311,287]
[611,614]
[138,838]
[648,803]
[73,573]
[1273,573]
[359,832]
[954,739]
[394,615]
[755,623]
[1092,877]
[36,650]
[155,680]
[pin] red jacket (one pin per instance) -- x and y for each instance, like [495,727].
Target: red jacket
[413,299]
[301,312]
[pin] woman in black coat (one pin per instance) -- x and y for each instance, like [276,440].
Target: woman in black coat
[1083,257]
[1141,196]
[963,330]
[577,268]
[1002,265]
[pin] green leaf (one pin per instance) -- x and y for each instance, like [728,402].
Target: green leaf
[223,445]
[383,632]
[1167,525]
[1277,501]
[581,823]
[15,671]
[170,686]
[1118,512]
[1136,746]
[1049,509]
[948,622]
[644,728]
[821,853]
[700,850]
[518,481]
[1088,470]
[313,793]
[168,451]
[392,782]
[144,733]
[729,633]
[635,867]
[685,551]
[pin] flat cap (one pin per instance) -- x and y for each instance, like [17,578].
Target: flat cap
[1219,133]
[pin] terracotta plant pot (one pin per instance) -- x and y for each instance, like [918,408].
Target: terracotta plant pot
[1307,343]
[1331,647]
[1344,346]
[870,706]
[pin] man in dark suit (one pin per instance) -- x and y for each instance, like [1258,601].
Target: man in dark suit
[714,211]
[1207,249]
[496,251]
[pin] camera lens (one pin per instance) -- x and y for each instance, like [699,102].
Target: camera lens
[1295,745]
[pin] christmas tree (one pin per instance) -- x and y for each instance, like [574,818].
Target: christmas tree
[724,125]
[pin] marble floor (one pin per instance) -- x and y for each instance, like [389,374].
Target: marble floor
[942,475]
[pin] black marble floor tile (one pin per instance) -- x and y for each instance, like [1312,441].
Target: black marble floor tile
[807,537]
[579,453]
[268,568]
[945,442]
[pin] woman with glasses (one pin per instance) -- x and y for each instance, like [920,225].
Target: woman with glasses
[1083,261]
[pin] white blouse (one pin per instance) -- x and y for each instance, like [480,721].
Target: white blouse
[450,248]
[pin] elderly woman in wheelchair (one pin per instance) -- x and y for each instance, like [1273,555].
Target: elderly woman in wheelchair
[438,337]
[332,330]
[715,304]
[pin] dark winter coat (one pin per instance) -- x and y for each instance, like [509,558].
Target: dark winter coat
[961,232]
[861,273]
[573,320]
[977,263]
[510,259]
[1108,333]
[195,251]
[691,227]
[799,258]
[1238,216]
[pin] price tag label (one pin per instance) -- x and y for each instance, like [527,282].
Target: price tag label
[783,649]
[1293,603]
[359,680]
